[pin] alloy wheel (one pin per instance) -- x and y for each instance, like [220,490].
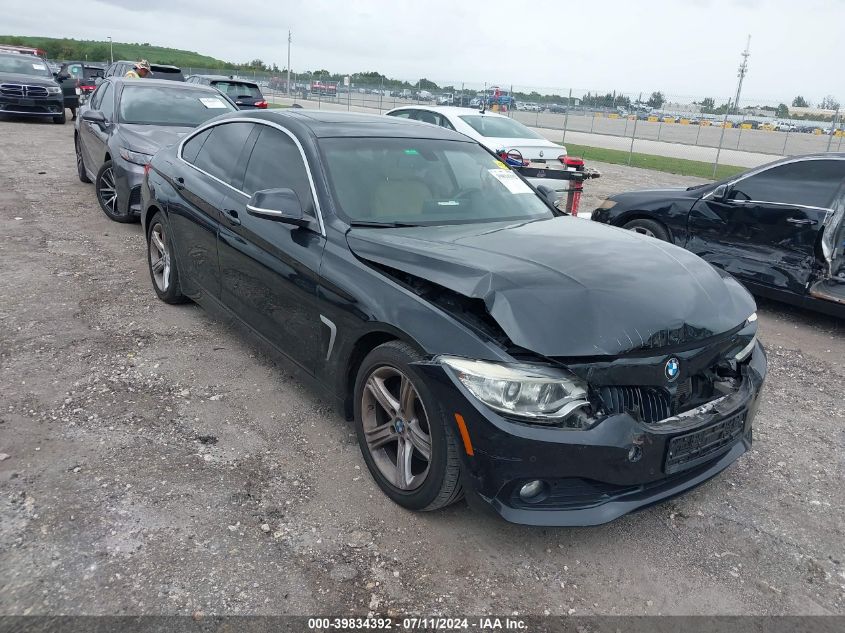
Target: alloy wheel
[159,257]
[106,190]
[641,230]
[396,428]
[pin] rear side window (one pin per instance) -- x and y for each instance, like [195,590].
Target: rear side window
[810,183]
[402,114]
[193,146]
[219,154]
[277,163]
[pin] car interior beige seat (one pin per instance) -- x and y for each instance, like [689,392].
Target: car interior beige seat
[400,194]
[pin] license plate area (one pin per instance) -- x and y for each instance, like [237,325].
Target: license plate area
[691,449]
[26,102]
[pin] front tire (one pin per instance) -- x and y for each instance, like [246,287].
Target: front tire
[651,228]
[403,434]
[60,119]
[105,185]
[160,262]
[80,162]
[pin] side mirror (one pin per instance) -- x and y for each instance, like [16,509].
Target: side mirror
[98,81]
[720,192]
[549,194]
[94,116]
[281,205]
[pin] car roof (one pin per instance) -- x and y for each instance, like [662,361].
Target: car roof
[129,61]
[449,110]
[225,78]
[334,124]
[164,83]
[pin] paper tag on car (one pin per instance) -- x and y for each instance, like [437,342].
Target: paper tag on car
[510,180]
[39,67]
[212,102]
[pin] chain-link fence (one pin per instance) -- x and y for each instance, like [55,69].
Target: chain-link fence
[700,128]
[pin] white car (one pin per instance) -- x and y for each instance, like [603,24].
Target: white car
[494,131]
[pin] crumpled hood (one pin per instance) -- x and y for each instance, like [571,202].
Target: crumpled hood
[566,286]
[148,139]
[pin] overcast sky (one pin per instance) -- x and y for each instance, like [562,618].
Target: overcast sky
[684,48]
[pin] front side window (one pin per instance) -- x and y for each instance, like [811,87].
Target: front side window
[424,181]
[811,183]
[157,105]
[497,126]
[402,114]
[276,163]
[107,102]
[219,154]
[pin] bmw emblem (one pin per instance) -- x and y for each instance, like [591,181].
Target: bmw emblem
[672,369]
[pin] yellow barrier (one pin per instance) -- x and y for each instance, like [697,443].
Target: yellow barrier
[745,126]
[668,119]
[839,133]
[705,122]
[817,131]
[598,114]
[652,119]
[684,121]
[613,115]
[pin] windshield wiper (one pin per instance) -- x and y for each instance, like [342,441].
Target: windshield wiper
[380,225]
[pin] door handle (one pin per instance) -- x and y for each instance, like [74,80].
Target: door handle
[232,216]
[801,221]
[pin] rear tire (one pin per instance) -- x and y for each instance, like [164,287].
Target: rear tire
[429,484]
[652,228]
[161,263]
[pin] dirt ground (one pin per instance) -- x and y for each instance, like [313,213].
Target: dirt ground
[156,461]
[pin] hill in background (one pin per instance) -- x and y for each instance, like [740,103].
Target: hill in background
[93,50]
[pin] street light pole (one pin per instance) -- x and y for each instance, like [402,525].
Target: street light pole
[288,63]
[111,50]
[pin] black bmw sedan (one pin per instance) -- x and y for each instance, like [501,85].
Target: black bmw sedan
[779,228]
[124,123]
[485,344]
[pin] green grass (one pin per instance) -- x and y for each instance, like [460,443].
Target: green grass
[680,166]
[94,50]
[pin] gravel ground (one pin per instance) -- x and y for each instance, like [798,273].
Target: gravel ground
[155,461]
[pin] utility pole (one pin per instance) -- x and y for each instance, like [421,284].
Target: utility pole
[743,70]
[288,63]
[111,50]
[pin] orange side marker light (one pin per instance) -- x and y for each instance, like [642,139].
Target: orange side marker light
[462,427]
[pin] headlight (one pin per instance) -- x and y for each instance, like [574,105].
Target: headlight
[537,393]
[54,90]
[745,352]
[135,157]
[751,319]
[607,204]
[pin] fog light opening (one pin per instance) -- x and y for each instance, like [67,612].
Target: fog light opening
[534,491]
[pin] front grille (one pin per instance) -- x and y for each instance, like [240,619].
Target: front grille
[23,91]
[650,404]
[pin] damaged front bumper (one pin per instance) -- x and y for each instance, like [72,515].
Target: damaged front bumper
[592,476]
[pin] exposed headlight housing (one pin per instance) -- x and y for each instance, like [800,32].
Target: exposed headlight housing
[607,204]
[745,352]
[536,393]
[135,157]
[54,90]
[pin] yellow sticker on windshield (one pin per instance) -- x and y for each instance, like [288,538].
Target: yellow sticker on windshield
[501,165]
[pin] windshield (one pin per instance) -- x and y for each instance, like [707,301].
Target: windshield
[498,126]
[24,65]
[237,90]
[159,105]
[424,182]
